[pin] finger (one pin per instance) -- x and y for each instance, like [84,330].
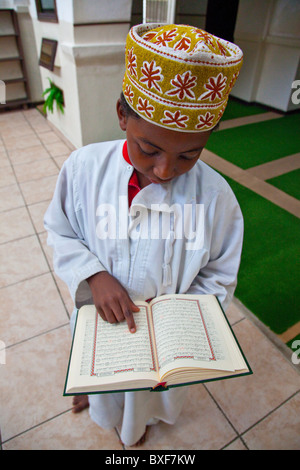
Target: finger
[101,313]
[118,312]
[129,319]
[134,308]
[107,315]
[128,307]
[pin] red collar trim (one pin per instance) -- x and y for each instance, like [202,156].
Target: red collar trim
[133,179]
[125,153]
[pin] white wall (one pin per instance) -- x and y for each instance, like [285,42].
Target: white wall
[86,11]
[268,32]
[64,73]
[89,67]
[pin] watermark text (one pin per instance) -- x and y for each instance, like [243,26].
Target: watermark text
[295,97]
[2,92]
[296,354]
[161,222]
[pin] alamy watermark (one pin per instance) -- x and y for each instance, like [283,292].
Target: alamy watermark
[296,354]
[2,92]
[295,97]
[161,222]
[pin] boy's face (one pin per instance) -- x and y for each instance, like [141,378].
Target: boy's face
[160,154]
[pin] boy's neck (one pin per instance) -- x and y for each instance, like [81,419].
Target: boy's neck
[143,181]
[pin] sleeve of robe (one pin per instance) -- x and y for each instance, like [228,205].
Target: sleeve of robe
[224,229]
[73,261]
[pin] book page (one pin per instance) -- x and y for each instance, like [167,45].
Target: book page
[187,335]
[110,349]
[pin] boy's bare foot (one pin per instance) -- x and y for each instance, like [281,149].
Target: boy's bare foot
[142,439]
[80,402]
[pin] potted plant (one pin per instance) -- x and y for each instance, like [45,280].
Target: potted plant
[55,94]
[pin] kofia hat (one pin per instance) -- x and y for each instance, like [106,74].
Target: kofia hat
[179,77]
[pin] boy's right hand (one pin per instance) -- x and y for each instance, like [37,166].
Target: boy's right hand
[111,299]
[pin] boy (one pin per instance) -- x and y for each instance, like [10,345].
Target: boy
[175,90]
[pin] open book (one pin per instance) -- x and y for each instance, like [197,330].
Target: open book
[180,339]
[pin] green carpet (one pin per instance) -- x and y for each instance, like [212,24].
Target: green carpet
[290,343]
[288,182]
[268,282]
[253,144]
[237,108]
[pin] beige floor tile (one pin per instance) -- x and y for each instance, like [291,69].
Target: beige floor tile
[57,149]
[10,197]
[65,293]
[32,114]
[236,445]
[48,250]
[35,170]
[32,382]
[60,160]
[246,400]
[27,313]
[11,118]
[37,212]
[13,142]
[15,224]
[18,130]
[4,161]
[38,122]
[49,137]
[39,190]
[40,126]
[30,154]
[63,138]
[200,425]
[279,431]
[20,260]
[233,313]
[7,176]
[66,432]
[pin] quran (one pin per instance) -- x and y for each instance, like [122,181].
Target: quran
[179,340]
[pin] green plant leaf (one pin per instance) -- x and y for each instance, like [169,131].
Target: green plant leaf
[54,94]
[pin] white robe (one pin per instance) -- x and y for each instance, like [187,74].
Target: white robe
[90,230]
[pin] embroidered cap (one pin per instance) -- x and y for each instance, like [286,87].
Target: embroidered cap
[179,77]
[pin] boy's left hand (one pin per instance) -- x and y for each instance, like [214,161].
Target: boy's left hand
[112,300]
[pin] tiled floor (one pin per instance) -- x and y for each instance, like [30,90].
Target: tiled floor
[256,412]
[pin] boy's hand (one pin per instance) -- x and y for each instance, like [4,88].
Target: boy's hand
[111,299]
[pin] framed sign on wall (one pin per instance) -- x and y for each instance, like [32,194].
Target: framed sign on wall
[48,52]
[46,10]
